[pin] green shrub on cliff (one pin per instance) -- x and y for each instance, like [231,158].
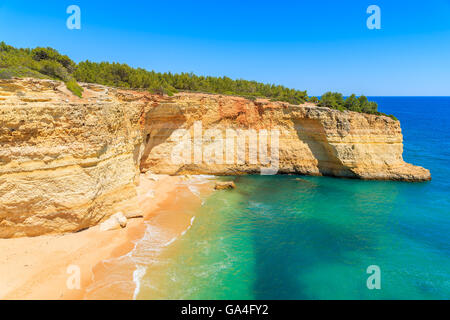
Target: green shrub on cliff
[50,54]
[335,100]
[46,61]
[74,87]
[20,71]
[49,63]
[313,99]
[392,117]
[122,75]
[39,63]
[352,103]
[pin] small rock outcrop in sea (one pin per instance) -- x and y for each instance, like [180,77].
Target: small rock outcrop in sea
[224,185]
[68,163]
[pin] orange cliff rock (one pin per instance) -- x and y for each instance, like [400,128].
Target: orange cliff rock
[67,163]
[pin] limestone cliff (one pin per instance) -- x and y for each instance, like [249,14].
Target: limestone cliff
[68,163]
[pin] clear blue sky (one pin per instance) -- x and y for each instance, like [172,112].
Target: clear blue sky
[312,45]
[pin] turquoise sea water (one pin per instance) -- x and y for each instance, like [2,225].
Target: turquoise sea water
[299,237]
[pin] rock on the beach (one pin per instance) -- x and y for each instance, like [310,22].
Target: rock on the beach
[150,194]
[149,175]
[116,221]
[224,185]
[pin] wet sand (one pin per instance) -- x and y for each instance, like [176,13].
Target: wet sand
[37,268]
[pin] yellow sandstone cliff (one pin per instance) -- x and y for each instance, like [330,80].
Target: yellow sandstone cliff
[68,163]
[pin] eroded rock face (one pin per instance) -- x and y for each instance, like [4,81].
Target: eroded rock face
[65,163]
[312,140]
[68,163]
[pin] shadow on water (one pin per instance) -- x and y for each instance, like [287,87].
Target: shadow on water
[301,236]
[278,271]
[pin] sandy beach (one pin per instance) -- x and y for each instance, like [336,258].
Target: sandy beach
[39,267]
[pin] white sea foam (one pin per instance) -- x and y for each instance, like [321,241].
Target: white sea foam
[138,274]
[199,179]
[170,242]
[147,249]
[194,190]
[190,225]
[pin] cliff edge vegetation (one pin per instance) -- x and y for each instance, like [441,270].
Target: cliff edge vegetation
[49,63]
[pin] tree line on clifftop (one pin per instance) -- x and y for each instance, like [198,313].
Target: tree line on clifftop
[49,63]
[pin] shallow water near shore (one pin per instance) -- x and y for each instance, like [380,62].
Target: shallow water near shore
[297,237]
